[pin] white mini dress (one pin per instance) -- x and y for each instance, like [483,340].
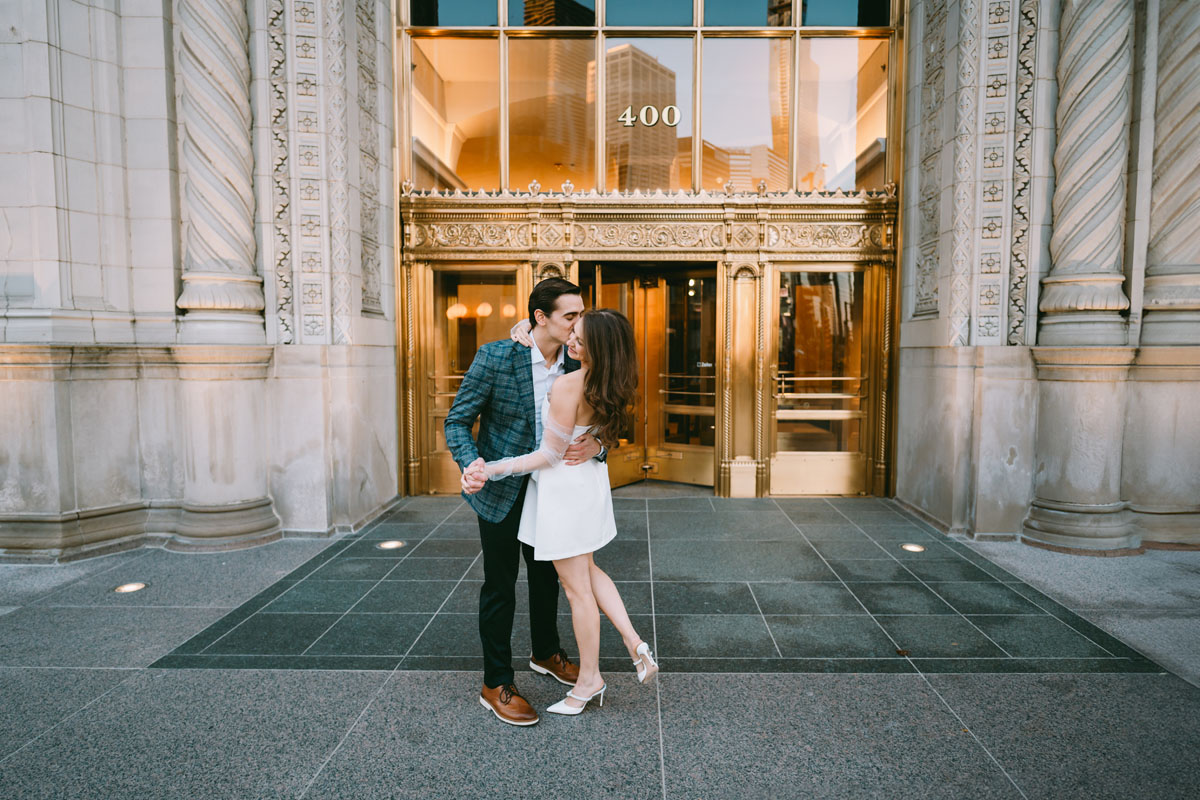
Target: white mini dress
[568,510]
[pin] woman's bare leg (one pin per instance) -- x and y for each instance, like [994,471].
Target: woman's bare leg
[609,600]
[573,573]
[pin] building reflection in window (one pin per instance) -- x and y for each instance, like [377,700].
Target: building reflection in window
[448,13]
[846,13]
[456,113]
[648,114]
[746,95]
[752,13]
[842,114]
[820,361]
[551,92]
[552,12]
[640,12]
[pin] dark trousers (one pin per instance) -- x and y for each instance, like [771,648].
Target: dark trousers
[498,598]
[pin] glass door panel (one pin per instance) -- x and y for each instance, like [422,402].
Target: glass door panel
[821,384]
[470,308]
[673,312]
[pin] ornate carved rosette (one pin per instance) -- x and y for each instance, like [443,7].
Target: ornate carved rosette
[334,19]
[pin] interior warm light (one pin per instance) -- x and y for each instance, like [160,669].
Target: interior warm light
[126,588]
[912,548]
[691,292]
[484,309]
[391,544]
[456,311]
[691,281]
[509,311]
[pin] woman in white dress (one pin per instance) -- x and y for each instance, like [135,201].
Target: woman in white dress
[568,509]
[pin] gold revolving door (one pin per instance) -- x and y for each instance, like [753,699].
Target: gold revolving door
[673,309]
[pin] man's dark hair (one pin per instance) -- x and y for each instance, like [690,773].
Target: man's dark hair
[544,296]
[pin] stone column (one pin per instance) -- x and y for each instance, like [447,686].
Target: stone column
[222,295]
[1172,299]
[222,373]
[1077,502]
[1082,297]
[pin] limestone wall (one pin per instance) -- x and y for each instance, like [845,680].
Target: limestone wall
[1051,309]
[196,233]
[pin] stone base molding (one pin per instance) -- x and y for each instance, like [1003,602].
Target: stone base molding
[1161,474]
[1077,500]
[209,528]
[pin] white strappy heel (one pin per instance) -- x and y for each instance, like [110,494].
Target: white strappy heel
[647,667]
[562,707]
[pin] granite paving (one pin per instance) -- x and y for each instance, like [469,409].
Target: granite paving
[805,653]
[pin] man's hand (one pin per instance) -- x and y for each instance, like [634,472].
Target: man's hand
[474,477]
[519,333]
[583,449]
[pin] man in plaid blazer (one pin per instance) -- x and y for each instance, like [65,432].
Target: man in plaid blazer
[504,389]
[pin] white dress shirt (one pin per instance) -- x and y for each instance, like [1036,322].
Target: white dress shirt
[543,379]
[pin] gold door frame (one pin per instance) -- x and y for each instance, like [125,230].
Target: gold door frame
[749,237]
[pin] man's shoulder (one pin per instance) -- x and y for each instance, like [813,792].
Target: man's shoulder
[500,349]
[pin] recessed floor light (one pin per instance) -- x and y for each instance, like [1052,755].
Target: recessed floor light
[913,548]
[126,588]
[391,544]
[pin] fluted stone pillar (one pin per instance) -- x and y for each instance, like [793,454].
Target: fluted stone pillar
[1082,297]
[1172,298]
[222,294]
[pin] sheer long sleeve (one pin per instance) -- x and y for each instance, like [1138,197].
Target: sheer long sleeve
[556,438]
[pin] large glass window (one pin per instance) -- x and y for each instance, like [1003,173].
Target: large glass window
[640,12]
[841,125]
[551,12]
[648,114]
[629,95]
[551,117]
[746,96]
[749,13]
[846,13]
[454,13]
[456,113]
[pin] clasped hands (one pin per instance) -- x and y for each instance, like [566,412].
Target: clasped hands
[583,449]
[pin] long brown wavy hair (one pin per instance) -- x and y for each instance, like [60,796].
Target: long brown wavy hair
[612,378]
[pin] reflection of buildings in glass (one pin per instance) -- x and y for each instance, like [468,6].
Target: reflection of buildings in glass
[748,166]
[858,142]
[455,114]
[639,156]
[781,93]
[557,12]
[550,117]
[779,12]
[808,136]
[714,163]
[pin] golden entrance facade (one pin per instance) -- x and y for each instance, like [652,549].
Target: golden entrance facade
[719,171]
[764,327]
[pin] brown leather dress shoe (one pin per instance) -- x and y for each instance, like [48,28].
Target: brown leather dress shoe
[507,705]
[557,666]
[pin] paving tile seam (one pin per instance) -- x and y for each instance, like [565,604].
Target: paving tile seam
[73,714]
[930,588]
[1070,627]
[662,767]
[69,584]
[241,622]
[846,586]
[972,734]
[666,660]
[395,566]
[435,614]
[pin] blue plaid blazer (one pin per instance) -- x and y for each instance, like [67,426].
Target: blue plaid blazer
[498,391]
